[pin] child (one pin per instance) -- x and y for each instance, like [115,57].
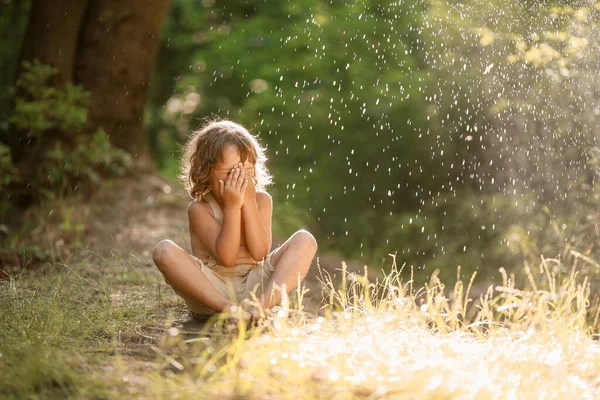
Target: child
[224,170]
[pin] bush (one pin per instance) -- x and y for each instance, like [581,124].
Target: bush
[78,160]
[63,156]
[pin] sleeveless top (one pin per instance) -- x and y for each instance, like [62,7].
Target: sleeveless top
[216,209]
[235,271]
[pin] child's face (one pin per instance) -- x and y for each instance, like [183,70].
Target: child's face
[231,159]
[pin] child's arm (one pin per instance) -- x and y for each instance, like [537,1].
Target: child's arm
[256,212]
[223,242]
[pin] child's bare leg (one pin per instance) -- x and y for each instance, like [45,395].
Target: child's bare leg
[184,275]
[291,260]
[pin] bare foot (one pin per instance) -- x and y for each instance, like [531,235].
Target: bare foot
[257,314]
[238,312]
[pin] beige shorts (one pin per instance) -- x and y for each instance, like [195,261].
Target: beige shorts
[235,283]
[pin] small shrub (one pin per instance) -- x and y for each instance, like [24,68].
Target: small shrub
[81,160]
[67,158]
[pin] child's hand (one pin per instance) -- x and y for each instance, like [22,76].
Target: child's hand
[234,188]
[251,188]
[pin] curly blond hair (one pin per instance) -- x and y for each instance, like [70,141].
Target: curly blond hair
[204,150]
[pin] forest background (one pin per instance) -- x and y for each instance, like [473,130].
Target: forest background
[447,133]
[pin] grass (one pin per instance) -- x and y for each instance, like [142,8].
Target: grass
[109,329]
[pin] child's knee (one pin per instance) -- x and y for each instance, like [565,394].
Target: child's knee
[161,252]
[307,241]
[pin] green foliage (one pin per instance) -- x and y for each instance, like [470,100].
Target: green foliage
[8,171]
[471,119]
[13,22]
[8,175]
[530,73]
[78,160]
[87,163]
[40,107]
[69,225]
[343,123]
[46,233]
[62,157]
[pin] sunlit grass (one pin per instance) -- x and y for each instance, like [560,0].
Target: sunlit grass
[84,334]
[419,344]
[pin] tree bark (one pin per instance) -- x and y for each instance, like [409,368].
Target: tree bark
[117,49]
[51,37]
[13,24]
[109,48]
[52,34]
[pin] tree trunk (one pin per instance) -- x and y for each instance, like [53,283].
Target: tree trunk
[52,34]
[117,48]
[13,23]
[51,37]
